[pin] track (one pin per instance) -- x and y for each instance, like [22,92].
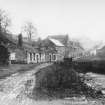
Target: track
[13,89]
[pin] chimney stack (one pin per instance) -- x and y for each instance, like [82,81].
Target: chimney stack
[20,40]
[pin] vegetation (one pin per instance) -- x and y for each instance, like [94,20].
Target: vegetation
[5,21]
[29,30]
[90,66]
[4,55]
[59,81]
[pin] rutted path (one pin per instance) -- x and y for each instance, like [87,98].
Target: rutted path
[13,88]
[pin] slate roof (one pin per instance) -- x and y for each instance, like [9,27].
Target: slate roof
[62,38]
[56,42]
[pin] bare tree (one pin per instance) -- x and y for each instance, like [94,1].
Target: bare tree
[29,29]
[5,21]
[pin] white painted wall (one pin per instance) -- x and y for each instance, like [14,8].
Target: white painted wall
[13,56]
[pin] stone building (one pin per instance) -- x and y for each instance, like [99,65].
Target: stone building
[73,49]
[54,49]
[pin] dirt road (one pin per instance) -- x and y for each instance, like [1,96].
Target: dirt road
[14,88]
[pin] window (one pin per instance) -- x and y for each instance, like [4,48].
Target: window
[37,58]
[54,57]
[34,56]
[30,56]
[50,57]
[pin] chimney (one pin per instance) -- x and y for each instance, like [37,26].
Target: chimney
[20,40]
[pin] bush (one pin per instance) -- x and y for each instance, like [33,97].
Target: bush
[18,62]
[90,66]
[60,80]
[4,55]
[57,76]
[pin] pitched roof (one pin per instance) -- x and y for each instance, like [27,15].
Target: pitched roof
[56,42]
[62,38]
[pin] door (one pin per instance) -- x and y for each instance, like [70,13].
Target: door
[50,58]
[37,58]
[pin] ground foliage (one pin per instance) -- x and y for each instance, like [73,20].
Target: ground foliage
[61,80]
[4,55]
[89,66]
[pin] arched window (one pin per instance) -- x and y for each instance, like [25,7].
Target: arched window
[54,57]
[30,56]
[34,56]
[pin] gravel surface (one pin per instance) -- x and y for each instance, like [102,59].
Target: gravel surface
[13,89]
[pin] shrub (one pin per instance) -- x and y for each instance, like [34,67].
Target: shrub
[57,76]
[60,80]
[90,66]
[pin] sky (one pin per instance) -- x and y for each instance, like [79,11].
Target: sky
[77,18]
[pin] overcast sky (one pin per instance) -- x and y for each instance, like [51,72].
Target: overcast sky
[73,17]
